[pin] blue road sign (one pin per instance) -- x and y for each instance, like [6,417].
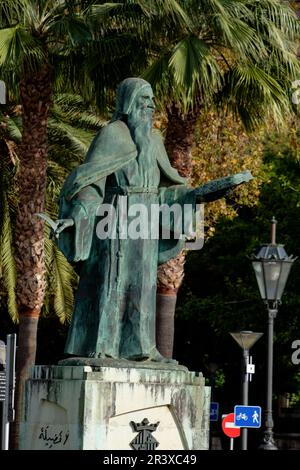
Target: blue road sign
[214,411]
[247,416]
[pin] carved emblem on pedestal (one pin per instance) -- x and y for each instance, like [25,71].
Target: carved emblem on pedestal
[144,440]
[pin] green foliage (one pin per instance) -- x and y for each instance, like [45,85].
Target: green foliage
[7,215]
[219,379]
[123,34]
[223,148]
[239,55]
[71,128]
[18,46]
[61,282]
[34,33]
[220,294]
[193,66]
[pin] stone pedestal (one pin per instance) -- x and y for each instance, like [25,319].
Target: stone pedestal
[109,407]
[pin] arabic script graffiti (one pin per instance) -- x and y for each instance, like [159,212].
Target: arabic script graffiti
[51,439]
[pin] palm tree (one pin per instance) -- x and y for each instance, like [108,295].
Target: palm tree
[47,45]
[71,127]
[124,32]
[36,36]
[233,55]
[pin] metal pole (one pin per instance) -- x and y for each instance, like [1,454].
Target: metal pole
[5,428]
[8,404]
[244,431]
[273,231]
[268,439]
[231,443]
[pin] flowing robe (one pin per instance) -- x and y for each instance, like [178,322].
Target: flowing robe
[115,304]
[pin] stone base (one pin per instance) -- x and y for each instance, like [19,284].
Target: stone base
[106,407]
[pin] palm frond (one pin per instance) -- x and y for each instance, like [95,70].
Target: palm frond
[10,11]
[241,38]
[139,15]
[69,26]
[170,9]
[194,67]
[101,11]
[8,207]
[7,258]
[14,129]
[267,96]
[67,100]
[56,174]
[73,110]
[77,140]
[158,75]
[64,281]
[277,13]
[18,46]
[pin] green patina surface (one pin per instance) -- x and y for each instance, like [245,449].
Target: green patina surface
[115,305]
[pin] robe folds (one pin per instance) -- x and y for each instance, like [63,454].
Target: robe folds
[115,304]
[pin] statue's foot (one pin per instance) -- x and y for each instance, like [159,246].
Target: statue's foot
[100,355]
[154,356]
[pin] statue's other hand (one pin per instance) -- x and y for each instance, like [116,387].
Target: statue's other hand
[62,224]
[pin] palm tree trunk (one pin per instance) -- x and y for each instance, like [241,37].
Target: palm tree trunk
[36,92]
[179,142]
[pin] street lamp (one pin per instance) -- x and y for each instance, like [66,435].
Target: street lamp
[246,339]
[272,267]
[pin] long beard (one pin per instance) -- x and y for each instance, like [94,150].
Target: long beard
[140,126]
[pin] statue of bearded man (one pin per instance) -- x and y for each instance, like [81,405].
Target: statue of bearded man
[115,305]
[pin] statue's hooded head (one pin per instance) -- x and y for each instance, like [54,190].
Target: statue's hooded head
[134,101]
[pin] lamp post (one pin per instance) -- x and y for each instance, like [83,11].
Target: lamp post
[246,339]
[272,267]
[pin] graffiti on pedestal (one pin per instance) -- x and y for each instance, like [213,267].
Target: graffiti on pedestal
[53,437]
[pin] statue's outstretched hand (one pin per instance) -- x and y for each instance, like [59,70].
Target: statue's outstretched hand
[62,224]
[222,187]
[203,196]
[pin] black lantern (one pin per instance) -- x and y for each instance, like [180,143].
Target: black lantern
[272,266]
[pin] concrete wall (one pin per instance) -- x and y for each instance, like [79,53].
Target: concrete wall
[83,407]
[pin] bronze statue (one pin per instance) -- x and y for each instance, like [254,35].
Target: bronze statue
[115,305]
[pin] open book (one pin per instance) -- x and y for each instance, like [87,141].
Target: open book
[221,185]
